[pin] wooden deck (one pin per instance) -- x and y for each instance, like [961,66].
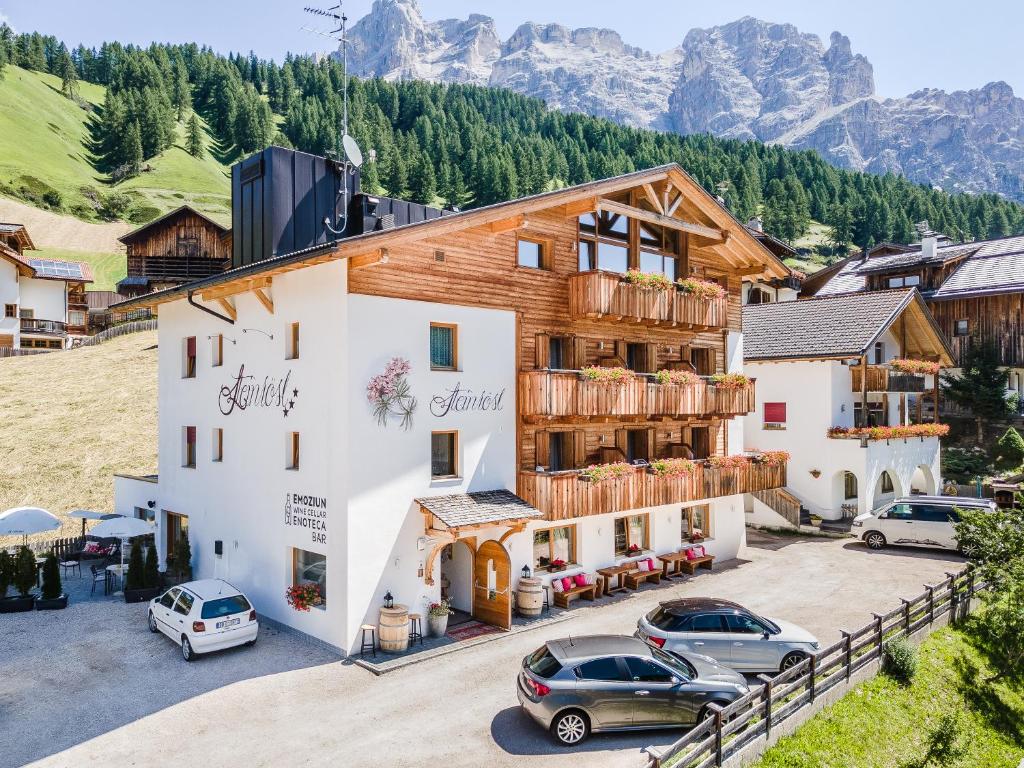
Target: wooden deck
[881,379]
[599,294]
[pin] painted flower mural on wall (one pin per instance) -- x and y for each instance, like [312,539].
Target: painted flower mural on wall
[391,395]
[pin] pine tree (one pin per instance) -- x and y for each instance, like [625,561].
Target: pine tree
[423,181]
[181,92]
[1010,450]
[980,387]
[65,70]
[194,138]
[132,150]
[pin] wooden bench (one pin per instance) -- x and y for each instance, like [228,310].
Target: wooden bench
[691,566]
[587,592]
[635,578]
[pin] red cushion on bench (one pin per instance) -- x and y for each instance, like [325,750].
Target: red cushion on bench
[566,583]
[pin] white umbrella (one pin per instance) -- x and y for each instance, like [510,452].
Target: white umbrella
[122,528]
[23,521]
[88,514]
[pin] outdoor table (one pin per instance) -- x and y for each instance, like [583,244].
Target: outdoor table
[675,560]
[615,570]
[118,571]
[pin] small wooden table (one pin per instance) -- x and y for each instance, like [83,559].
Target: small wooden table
[672,564]
[610,572]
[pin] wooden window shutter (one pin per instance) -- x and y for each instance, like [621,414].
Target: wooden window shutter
[651,355]
[621,351]
[190,435]
[579,352]
[542,442]
[579,448]
[621,437]
[190,346]
[542,352]
[775,413]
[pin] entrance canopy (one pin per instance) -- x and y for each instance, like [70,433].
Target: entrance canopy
[482,508]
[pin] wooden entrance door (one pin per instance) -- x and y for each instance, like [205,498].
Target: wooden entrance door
[492,585]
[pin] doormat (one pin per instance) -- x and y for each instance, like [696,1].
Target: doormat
[470,630]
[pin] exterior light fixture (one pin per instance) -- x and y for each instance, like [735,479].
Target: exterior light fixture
[389,601]
[526,572]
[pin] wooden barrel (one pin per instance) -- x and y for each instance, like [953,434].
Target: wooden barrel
[394,629]
[530,597]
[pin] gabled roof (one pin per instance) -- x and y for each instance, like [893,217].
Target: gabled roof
[740,245]
[844,326]
[62,269]
[479,508]
[19,231]
[137,233]
[20,262]
[900,261]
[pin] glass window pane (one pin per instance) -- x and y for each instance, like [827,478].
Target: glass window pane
[541,549]
[562,542]
[588,223]
[895,282]
[442,454]
[588,256]
[912,280]
[644,671]
[311,568]
[442,348]
[613,225]
[600,669]
[638,530]
[620,536]
[651,262]
[650,234]
[529,254]
[709,622]
[612,257]
[669,268]
[745,624]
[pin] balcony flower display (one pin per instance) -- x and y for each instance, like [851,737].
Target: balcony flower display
[302,597]
[730,381]
[903,365]
[649,280]
[701,289]
[772,458]
[599,373]
[736,461]
[890,433]
[685,378]
[598,473]
[673,467]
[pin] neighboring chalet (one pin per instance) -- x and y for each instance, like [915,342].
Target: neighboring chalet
[809,359]
[974,290]
[44,301]
[406,410]
[777,288]
[178,247]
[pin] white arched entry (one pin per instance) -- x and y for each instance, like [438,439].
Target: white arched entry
[923,481]
[846,492]
[887,487]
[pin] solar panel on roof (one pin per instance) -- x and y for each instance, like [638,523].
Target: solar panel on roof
[55,268]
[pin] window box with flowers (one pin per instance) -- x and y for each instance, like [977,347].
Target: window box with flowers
[923,367]
[682,378]
[613,375]
[654,281]
[599,473]
[302,597]
[889,433]
[705,290]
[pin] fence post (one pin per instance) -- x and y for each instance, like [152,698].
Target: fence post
[766,693]
[931,605]
[878,634]
[953,597]
[813,669]
[906,616]
[847,652]
[717,712]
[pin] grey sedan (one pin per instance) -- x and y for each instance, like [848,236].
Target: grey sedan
[580,685]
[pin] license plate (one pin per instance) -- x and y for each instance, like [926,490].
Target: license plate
[228,623]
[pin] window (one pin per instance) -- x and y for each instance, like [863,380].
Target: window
[744,624]
[443,448]
[292,342]
[887,486]
[849,485]
[443,347]
[217,445]
[558,352]
[217,350]
[532,253]
[76,317]
[631,535]
[606,669]
[188,452]
[658,263]
[774,415]
[962,328]
[184,604]
[587,255]
[696,520]
[930,513]
[10,310]
[553,544]
[646,671]
[225,606]
[637,445]
[188,366]
[898,512]
[560,451]
[879,353]
[27,313]
[904,281]
[167,601]
[707,622]
[310,568]
[293,450]
[758,296]
[612,257]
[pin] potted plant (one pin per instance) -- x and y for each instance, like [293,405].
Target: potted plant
[696,536]
[135,588]
[5,572]
[151,570]
[558,564]
[23,576]
[437,617]
[53,597]
[632,550]
[183,558]
[302,597]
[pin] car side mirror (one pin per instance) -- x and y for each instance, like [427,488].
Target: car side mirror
[677,681]
[766,635]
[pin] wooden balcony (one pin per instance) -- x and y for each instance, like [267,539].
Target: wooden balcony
[599,294]
[175,268]
[44,327]
[547,394]
[564,496]
[882,379]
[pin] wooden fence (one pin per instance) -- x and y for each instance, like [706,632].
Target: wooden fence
[11,352]
[61,547]
[727,730]
[118,330]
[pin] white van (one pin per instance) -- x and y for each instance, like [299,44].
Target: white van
[924,521]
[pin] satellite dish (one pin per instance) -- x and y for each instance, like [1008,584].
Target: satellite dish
[352,151]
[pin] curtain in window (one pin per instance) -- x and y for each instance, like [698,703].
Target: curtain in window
[441,347]
[562,544]
[621,544]
[638,530]
[541,549]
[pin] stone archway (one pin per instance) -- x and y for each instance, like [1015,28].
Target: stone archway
[923,481]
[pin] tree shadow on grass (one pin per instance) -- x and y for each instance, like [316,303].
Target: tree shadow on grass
[982,696]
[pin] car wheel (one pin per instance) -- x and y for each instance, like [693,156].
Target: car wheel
[186,649]
[874,540]
[250,643]
[791,660]
[570,728]
[705,711]
[152,623]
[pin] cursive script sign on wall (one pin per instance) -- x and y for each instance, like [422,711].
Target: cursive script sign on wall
[459,400]
[246,392]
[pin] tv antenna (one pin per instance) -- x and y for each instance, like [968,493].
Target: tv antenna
[353,155]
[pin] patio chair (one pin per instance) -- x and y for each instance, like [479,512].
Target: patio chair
[71,564]
[100,573]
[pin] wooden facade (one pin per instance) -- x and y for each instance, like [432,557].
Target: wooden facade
[996,320]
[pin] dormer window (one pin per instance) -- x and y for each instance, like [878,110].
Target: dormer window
[904,281]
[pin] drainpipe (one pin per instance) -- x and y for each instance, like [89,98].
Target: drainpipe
[218,315]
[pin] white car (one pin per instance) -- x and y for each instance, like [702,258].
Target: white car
[923,521]
[203,616]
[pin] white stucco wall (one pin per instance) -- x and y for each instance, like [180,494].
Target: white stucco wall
[9,294]
[47,298]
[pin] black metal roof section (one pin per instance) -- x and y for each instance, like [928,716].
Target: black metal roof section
[827,327]
[135,233]
[479,508]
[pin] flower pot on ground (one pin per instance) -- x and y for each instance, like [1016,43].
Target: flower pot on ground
[437,618]
[53,598]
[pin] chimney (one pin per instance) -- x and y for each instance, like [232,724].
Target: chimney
[756,224]
[929,245]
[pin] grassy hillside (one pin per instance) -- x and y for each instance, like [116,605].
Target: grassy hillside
[45,143]
[69,420]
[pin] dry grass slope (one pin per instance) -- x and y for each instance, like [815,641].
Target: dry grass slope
[69,420]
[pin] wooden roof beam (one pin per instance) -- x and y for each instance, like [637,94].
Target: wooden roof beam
[229,308]
[265,300]
[519,221]
[671,222]
[652,196]
[234,288]
[577,208]
[379,256]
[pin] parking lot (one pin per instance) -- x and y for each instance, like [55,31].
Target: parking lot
[91,685]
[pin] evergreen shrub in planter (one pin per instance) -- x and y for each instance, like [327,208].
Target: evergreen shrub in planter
[135,589]
[23,575]
[53,597]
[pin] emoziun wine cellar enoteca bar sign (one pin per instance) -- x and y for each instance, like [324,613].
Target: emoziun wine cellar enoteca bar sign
[459,400]
[247,391]
[308,513]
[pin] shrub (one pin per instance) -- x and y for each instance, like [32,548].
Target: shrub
[142,214]
[24,576]
[702,289]
[115,205]
[51,578]
[52,198]
[135,578]
[899,659]
[150,572]
[685,378]
[946,740]
[1010,450]
[730,380]
[597,473]
[183,557]
[6,566]
[600,373]
[965,464]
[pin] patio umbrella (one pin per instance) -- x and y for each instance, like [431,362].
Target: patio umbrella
[123,528]
[24,521]
[88,514]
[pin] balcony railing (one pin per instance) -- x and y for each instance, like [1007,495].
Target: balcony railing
[882,379]
[564,496]
[49,327]
[547,394]
[605,294]
[175,267]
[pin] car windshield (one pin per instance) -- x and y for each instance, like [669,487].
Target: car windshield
[542,663]
[225,606]
[680,667]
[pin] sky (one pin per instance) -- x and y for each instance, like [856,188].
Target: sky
[912,44]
